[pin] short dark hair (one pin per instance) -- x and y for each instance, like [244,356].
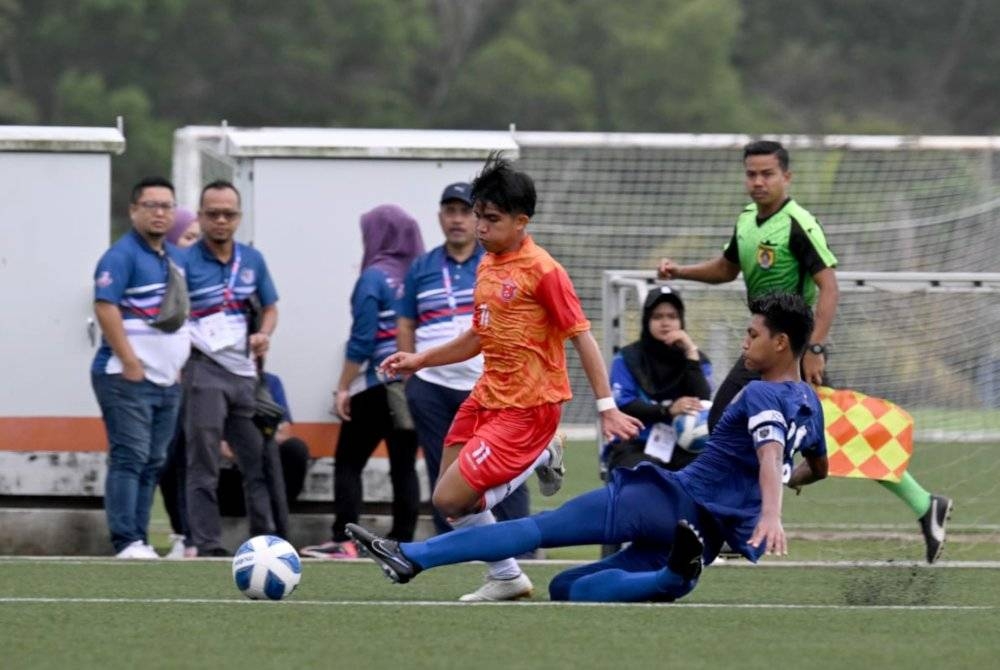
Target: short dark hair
[511,191]
[148,182]
[768,148]
[786,313]
[218,185]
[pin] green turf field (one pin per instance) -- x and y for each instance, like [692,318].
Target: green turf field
[346,615]
[886,611]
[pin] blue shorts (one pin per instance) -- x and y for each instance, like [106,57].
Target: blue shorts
[646,504]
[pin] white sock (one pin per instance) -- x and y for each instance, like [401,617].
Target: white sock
[498,493]
[505,569]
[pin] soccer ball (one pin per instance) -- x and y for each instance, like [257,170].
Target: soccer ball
[266,567]
[692,429]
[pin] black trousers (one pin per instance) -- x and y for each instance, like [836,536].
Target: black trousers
[370,424]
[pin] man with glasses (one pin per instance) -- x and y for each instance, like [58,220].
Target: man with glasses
[227,280]
[135,372]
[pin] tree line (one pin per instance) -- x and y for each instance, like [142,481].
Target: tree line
[858,66]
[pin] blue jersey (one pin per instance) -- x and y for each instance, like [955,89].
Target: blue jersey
[437,296]
[373,329]
[133,276]
[625,389]
[725,478]
[223,290]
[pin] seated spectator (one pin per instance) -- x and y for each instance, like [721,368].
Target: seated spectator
[184,232]
[293,454]
[656,379]
[292,451]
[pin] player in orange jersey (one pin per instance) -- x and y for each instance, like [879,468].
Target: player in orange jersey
[525,310]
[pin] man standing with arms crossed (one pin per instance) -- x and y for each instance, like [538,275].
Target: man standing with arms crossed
[525,309]
[779,246]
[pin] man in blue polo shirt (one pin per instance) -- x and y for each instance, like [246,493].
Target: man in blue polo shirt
[136,370]
[436,306]
[225,279]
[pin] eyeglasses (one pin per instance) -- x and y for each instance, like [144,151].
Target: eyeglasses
[225,214]
[157,206]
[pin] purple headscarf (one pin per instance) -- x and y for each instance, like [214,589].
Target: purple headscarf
[391,239]
[182,221]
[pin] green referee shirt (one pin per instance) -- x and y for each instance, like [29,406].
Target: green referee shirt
[781,252]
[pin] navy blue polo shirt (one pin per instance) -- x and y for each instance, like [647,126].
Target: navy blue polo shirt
[437,296]
[220,294]
[133,275]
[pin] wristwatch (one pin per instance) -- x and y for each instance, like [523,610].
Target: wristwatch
[817,349]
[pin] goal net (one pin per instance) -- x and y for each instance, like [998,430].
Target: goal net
[915,224]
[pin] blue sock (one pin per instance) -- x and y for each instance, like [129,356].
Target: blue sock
[579,521]
[616,585]
[480,543]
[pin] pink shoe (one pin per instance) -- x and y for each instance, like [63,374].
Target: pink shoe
[331,550]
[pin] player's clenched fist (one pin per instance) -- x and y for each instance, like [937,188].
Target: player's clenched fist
[667,269]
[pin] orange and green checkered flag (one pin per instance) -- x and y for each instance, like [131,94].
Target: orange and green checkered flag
[866,437]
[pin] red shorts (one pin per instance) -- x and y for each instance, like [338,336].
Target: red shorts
[500,444]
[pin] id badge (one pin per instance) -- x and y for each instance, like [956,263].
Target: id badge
[215,331]
[661,442]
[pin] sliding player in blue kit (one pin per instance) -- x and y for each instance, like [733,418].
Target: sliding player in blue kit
[675,521]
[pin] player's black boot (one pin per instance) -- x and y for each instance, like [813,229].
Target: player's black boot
[386,553]
[685,555]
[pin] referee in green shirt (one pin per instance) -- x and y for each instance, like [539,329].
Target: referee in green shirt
[780,247]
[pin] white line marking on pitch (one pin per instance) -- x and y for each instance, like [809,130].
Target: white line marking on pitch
[436,603]
[730,563]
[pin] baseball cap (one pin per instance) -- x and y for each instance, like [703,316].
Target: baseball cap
[460,190]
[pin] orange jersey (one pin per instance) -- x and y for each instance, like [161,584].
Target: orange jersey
[526,308]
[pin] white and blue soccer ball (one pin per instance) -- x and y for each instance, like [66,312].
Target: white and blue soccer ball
[266,568]
[692,429]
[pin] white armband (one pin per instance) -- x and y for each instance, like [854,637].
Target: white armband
[604,404]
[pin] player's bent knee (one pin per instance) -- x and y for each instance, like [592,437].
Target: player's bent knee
[449,505]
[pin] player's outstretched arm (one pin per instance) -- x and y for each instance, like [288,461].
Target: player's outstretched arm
[769,530]
[614,422]
[718,270]
[462,348]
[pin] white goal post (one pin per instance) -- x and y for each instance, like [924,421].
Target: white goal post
[960,311]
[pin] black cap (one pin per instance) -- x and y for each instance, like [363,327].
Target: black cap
[460,191]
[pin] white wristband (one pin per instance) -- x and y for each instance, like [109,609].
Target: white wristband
[604,404]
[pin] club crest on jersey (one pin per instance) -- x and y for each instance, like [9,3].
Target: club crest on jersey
[508,290]
[247,275]
[765,257]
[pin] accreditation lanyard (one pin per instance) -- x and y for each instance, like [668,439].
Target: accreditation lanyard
[227,293]
[449,294]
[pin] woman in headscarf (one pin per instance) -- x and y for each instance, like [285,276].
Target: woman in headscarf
[371,407]
[185,230]
[656,379]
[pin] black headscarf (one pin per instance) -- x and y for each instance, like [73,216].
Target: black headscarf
[663,371]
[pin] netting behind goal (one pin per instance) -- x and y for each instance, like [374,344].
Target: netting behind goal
[886,204]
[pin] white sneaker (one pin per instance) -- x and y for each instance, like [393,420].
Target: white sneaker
[550,475]
[501,589]
[176,547]
[137,550]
